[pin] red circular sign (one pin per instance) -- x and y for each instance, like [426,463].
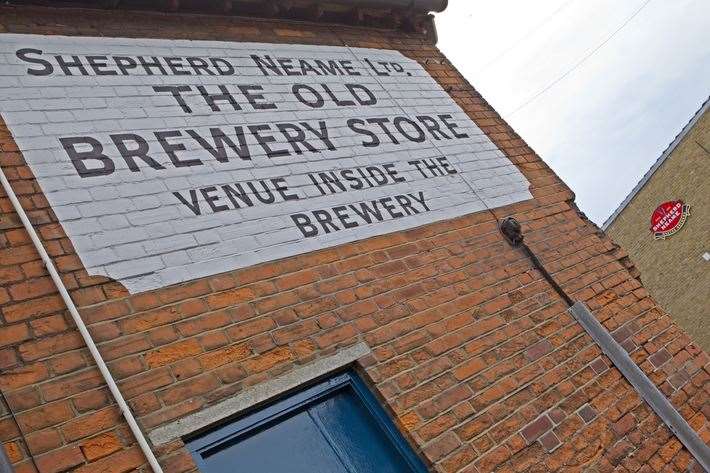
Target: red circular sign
[668,218]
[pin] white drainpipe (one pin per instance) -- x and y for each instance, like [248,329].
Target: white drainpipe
[125,410]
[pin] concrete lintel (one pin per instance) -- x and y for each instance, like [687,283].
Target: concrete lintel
[258,394]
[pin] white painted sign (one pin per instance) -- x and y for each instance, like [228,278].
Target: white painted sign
[167,161]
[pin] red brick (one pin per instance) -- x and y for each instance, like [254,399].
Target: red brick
[659,358]
[24,399]
[35,269]
[599,366]
[336,335]
[88,295]
[442,446]
[49,325]
[550,441]
[10,274]
[191,388]
[45,347]
[229,298]
[444,401]
[247,329]
[276,301]
[172,413]
[59,460]
[162,335]
[212,340]
[587,413]
[172,353]
[437,426]
[204,323]
[357,310]
[8,358]
[315,307]
[538,350]
[619,451]
[34,308]
[295,332]
[18,255]
[92,400]
[46,415]
[179,463]
[144,404]
[303,349]
[23,376]
[43,441]
[268,360]
[126,367]
[223,356]
[296,279]
[32,289]
[106,311]
[67,362]
[124,346]
[13,334]
[122,461]
[622,334]
[91,424]
[72,384]
[145,382]
[535,429]
[14,452]
[100,446]
[469,368]
[492,459]
[624,425]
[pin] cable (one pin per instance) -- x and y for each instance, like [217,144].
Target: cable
[530,32]
[580,62]
[546,274]
[512,232]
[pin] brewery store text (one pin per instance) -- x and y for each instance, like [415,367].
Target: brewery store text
[279,224]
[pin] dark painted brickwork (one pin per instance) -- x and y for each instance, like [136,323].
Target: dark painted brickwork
[472,351]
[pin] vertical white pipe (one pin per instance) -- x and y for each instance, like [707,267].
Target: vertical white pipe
[125,410]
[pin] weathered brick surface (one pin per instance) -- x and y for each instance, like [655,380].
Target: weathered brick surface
[470,346]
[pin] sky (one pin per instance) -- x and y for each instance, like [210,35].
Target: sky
[598,107]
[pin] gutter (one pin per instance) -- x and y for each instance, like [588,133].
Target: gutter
[659,162]
[639,381]
[265,9]
[113,387]
[415,6]
[424,6]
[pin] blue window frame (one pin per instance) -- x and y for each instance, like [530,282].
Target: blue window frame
[335,426]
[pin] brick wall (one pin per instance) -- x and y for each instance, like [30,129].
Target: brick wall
[473,352]
[673,269]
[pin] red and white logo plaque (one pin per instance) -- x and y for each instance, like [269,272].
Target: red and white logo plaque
[669,218]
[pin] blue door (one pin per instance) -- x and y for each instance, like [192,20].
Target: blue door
[336,426]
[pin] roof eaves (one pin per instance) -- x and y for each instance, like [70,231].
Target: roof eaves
[668,151]
[402,7]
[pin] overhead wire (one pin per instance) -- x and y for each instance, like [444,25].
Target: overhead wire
[580,62]
[527,35]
